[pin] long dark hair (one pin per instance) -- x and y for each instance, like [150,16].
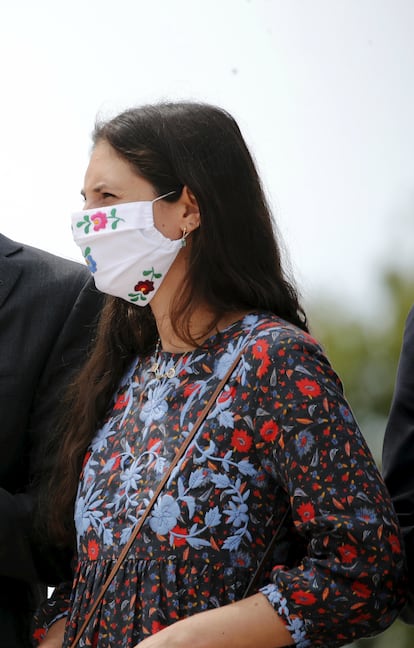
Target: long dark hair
[234,259]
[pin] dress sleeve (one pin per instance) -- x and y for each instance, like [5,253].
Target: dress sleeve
[54,608]
[350,581]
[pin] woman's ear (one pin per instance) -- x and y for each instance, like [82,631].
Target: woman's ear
[191,218]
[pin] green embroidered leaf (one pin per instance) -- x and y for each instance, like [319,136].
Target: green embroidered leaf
[157,276]
[114,225]
[147,272]
[113,212]
[87,251]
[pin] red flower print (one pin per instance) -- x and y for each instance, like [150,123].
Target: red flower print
[303,598]
[152,442]
[227,395]
[241,440]
[99,221]
[156,626]
[180,539]
[269,431]
[86,458]
[348,553]
[360,589]
[395,543]
[308,387]
[263,367]
[93,549]
[117,461]
[121,402]
[190,389]
[260,349]
[39,634]
[306,512]
[144,287]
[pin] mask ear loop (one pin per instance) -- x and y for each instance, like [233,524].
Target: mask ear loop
[170,193]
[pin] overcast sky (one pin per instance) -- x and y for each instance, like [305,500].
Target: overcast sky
[322,89]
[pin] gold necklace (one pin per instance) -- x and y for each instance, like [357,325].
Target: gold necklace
[169,372]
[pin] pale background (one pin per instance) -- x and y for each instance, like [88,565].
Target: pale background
[322,90]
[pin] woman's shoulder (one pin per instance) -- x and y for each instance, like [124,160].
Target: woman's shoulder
[279,332]
[278,345]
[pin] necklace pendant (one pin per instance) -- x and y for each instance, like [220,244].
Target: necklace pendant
[154,368]
[170,373]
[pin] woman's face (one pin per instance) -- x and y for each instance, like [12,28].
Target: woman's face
[110,180]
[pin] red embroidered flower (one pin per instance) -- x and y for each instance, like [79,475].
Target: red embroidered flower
[361,590]
[306,512]
[93,549]
[348,553]
[144,287]
[395,543]
[308,387]
[260,349]
[303,598]
[99,221]
[121,402]
[241,440]
[269,431]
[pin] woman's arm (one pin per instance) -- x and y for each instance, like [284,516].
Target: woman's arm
[54,636]
[250,623]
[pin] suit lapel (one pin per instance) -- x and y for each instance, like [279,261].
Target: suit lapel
[10,268]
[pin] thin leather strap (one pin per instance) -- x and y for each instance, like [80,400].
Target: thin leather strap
[255,578]
[153,499]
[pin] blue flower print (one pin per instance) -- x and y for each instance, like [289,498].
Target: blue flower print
[155,407]
[346,413]
[365,514]
[237,513]
[87,511]
[304,442]
[165,514]
[90,261]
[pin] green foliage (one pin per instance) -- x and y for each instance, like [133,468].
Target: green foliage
[365,355]
[365,352]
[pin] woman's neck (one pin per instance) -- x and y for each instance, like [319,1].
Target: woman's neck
[202,318]
[200,328]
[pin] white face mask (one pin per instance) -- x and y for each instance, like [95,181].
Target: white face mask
[125,252]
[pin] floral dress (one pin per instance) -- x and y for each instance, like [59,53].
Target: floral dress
[279,436]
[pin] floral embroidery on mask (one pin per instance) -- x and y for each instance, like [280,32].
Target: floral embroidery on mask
[143,288]
[99,220]
[90,261]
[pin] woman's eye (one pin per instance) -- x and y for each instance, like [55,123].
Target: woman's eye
[105,194]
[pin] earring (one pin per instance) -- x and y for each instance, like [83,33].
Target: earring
[183,238]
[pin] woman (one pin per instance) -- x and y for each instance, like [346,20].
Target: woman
[177,230]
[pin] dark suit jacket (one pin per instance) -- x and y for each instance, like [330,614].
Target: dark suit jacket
[48,308]
[398,451]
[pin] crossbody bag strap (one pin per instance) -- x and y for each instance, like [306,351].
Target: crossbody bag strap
[260,567]
[182,450]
